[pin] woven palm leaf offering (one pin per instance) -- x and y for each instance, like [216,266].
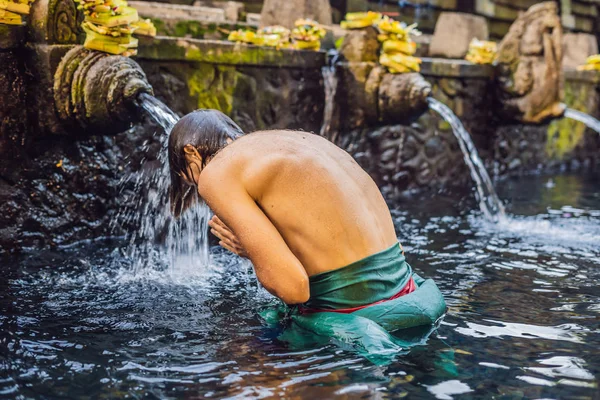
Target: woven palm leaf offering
[591,64]
[359,20]
[398,47]
[481,52]
[12,11]
[245,36]
[275,36]
[108,25]
[271,36]
[144,27]
[307,35]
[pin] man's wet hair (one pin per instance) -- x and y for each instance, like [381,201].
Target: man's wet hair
[206,130]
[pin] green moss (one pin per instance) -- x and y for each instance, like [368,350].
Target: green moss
[192,29]
[565,134]
[159,25]
[240,54]
[213,86]
[444,126]
[226,53]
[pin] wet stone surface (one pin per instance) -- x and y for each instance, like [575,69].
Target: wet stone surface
[62,190]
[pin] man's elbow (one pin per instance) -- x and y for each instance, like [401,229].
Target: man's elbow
[297,293]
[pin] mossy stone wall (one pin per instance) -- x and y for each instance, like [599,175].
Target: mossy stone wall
[255,97]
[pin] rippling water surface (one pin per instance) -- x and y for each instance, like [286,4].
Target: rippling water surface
[523,319]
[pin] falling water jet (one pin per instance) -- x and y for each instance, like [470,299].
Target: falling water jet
[330,80]
[488,199]
[587,119]
[160,239]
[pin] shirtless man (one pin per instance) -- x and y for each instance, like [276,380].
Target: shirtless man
[309,218]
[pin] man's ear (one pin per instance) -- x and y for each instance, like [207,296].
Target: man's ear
[190,150]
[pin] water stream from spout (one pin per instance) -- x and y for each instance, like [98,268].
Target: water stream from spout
[587,119]
[159,239]
[330,80]
[489,203]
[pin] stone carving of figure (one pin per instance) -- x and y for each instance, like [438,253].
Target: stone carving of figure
[529,66]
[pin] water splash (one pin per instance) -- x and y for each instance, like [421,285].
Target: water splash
[161,241]
[488,199]
[587,119]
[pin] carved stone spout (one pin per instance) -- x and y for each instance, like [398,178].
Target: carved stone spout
[97,91]
[529,66]
[403,97]
[367,95]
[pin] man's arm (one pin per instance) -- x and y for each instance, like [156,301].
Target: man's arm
[276,267]
[227,238]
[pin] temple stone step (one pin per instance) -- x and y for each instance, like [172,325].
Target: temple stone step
[147,9]
[232,9]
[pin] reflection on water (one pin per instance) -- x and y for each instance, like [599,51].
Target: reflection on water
[523,322]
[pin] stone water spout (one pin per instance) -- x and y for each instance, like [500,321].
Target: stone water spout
[367,95]
[530,67]
[403,97]
[98,91]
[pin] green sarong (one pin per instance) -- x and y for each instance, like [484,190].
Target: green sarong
[374,279]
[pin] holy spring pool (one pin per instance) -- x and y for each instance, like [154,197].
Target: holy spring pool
[523,318]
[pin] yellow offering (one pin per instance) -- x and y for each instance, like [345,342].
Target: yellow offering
[481,52]
[399,63]
[398,48]
[12,11]
[109,26]
[275,36]
[307,35]
[144,27]
[358,20]
[591,64]
[396,30]
[245,36]
[10,18]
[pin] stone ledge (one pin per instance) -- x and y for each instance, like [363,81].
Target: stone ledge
[193,29]
[147,9]
[582,76]
[227,53]
[11,36]
[454,68]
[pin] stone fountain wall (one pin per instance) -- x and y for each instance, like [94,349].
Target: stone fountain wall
[260,88]
[425,153]
[557,145]
[62,185]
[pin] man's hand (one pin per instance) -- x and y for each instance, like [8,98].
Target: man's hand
[227,238]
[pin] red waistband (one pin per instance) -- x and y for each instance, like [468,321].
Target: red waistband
[408,288]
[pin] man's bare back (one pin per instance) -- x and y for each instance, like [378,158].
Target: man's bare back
[322,208]
[313,223]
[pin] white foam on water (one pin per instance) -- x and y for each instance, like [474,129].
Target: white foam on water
[560,233]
